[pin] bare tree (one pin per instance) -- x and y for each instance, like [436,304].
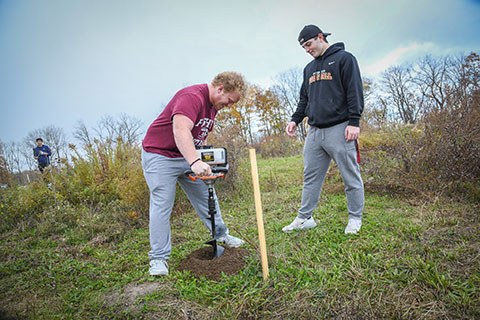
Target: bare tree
[465,78]
[52,136]
[376,113]
[368,88]
[401,92]
[13,157]
[129,128]
[433,76]
[287,88]
[126,128]
[82,134]
[430,84]
[106,128]
[5,174]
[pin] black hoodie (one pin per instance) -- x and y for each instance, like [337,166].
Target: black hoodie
[332,90]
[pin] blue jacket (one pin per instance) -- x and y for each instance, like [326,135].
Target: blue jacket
[42,159]
[332,90]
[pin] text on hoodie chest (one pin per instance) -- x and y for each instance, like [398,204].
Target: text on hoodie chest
[324,74]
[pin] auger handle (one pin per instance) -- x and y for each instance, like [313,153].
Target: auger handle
[217,172]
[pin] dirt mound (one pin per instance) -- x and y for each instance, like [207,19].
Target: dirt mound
[201,262]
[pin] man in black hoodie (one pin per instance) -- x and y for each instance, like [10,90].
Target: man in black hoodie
[331,97]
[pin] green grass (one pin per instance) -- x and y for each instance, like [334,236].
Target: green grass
[412,259]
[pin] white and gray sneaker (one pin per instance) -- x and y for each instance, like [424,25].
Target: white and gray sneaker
[158,267]
[353,226]
[300,224]
[231,241]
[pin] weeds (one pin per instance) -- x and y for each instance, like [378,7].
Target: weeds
[412,259]
[75,242]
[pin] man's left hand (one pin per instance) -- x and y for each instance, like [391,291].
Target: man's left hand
[352,133]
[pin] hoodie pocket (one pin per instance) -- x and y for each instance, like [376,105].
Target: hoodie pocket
[327,109]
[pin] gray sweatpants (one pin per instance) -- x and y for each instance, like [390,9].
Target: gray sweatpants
[162,174]
[321,146]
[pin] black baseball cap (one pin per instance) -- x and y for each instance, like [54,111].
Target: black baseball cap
[309,32]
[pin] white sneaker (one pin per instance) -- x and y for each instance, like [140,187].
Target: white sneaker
[353,226]
[231,241]
[158,267]
[300,224]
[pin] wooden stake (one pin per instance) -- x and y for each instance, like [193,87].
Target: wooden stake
[258,209]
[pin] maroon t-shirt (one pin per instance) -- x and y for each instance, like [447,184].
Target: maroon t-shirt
[193,102]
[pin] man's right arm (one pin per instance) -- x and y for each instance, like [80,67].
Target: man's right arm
[182,132]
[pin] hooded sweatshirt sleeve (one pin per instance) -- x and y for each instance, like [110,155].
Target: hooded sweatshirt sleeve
[299,114]
[352,83]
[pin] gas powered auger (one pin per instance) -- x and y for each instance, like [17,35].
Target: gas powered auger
[217,159]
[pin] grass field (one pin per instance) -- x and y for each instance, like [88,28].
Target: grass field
[413,259]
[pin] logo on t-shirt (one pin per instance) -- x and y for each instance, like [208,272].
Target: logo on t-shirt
[205,122]
[205,125]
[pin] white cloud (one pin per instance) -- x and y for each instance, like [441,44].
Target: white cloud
[398,56]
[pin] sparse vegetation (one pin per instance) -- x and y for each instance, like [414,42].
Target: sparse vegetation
[413,259]
[74,241]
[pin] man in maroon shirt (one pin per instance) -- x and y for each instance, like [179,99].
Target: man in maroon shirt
[169,150]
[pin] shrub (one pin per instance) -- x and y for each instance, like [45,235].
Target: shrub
[108,171]
[391,164]
[24,204]
[104,173]
[451,145]
[278,146]
[439,155]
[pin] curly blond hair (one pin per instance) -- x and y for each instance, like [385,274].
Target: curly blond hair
[231,81]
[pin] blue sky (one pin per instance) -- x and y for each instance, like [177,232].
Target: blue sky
[64,61]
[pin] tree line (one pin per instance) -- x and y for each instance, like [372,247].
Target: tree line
[17,161]
[403,94]
[409,92]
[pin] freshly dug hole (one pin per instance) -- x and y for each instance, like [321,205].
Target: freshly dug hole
[201,263]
